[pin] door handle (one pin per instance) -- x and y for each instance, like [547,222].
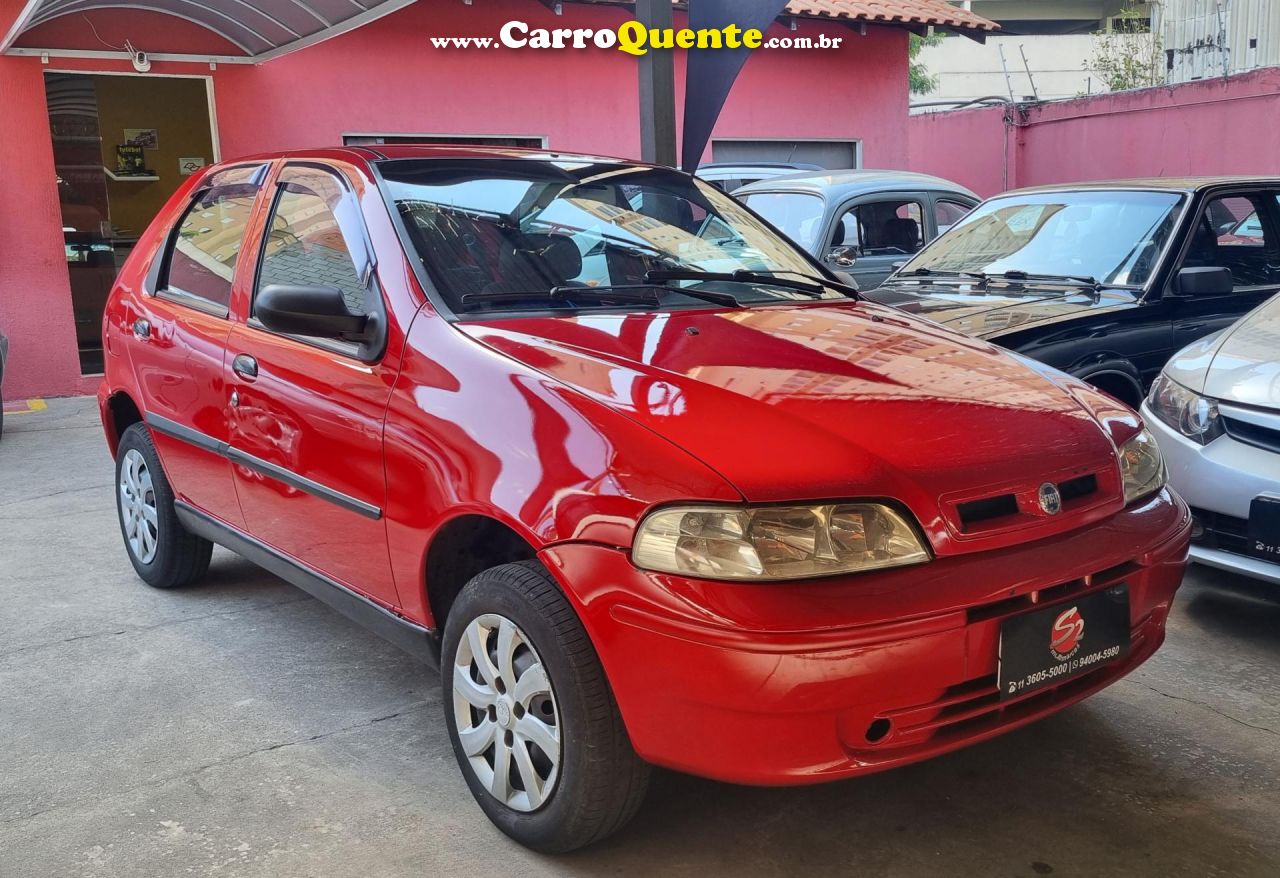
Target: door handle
[142,328]
[245,366]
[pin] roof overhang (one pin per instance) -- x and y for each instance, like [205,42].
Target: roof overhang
[260,29]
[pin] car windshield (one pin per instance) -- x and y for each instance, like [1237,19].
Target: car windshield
[1114,237]
[506,235]
[798,215]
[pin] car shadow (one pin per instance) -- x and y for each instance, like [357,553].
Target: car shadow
[1025,803]
[1235,606]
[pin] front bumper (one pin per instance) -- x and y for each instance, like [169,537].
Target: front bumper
[781,683]
[1219,482]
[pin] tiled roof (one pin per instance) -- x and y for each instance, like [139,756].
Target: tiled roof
[913,14]
[925,12]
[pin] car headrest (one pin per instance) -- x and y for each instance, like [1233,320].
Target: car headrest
[903,233]
[539,261]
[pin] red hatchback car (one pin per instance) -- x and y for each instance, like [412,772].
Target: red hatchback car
[648,483]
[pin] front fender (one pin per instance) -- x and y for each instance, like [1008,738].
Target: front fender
[470,431]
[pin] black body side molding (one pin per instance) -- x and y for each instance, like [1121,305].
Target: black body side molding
[421,643]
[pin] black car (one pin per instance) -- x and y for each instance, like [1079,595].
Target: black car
[1102,280]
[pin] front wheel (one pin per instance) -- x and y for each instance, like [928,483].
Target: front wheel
[533,721]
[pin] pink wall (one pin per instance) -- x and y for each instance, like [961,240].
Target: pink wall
[1218,126]
[386,77]
[35,291]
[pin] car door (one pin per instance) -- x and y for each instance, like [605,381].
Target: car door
[180,334]
[1239,231]
[307,413]
[877,232]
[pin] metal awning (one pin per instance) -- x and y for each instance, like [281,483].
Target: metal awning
[261,29]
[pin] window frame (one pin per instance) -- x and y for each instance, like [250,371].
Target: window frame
[1194,211]
[158,279]
[374,346]
[921,200]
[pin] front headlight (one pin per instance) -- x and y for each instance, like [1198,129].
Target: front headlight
[775,542]
[1141,467]
[1191,414]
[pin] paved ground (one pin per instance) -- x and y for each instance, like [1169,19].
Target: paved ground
[240,728]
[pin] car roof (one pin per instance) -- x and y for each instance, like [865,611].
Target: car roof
[838,184]
[1169,184]
[383,152]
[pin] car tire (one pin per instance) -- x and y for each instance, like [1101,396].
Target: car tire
[163,552]
[595,782]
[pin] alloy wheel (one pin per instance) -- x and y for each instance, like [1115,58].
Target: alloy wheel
[506,714]
[138,507]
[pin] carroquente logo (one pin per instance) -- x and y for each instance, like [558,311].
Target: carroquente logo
[633,38]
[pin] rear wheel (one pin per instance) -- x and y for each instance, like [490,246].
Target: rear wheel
[163,552]
[533,721]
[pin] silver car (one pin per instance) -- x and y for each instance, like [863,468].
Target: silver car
[1215,411]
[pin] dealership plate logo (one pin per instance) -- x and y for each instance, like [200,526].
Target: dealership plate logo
[1065,636]
[1050,499]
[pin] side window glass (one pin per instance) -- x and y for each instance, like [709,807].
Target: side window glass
[847,232]
[207,244]
[1231,234]
[305,245]
[947,213]
[890,228]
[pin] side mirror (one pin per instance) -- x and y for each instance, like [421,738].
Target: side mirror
[1209,280]
[847,279]
[306,310]
[845,257]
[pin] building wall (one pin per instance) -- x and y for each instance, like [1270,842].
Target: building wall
[387,78]
[967,70]
[179,111]
[1209,127]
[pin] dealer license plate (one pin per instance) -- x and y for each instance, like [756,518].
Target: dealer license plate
[1047,646]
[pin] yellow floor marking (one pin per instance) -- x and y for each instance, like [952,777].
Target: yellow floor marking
[33,405]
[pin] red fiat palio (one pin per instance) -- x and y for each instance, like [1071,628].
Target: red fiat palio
[650,485]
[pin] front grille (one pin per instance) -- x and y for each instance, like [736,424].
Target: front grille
[1000,510]
[986,509]
[1252,434]
[1224,532]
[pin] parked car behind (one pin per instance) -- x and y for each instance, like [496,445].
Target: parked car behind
[862,223]
[1215,410]
[1102,280]
[643,479]
[728,176]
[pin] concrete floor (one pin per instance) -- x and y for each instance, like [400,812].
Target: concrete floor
[240,728]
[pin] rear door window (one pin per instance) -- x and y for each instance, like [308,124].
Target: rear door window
[205,247]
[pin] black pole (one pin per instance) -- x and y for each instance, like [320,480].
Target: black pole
[657,89]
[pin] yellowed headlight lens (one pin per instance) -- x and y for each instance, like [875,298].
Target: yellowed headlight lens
[776,542]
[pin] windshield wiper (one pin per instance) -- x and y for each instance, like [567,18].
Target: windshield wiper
[929,272]
[647,294]
[849,290]
[630,294]
[742,276]
[1083,280]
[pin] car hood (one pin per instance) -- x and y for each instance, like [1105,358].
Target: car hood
[1240,364]
[819,401]
[992,313]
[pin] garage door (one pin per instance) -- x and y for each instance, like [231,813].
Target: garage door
[823,153]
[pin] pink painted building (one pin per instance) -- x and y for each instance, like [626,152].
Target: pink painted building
[236,78]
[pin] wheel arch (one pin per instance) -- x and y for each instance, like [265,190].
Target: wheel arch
[462,546]
[120,413]
[1116,376]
